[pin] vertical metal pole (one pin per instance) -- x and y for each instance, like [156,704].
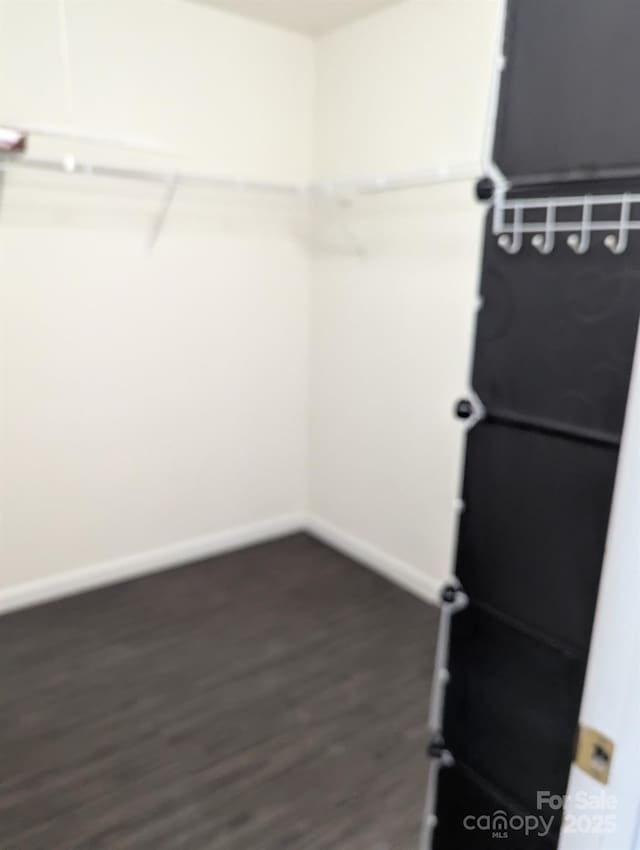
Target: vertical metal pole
[489,166]
[453,600]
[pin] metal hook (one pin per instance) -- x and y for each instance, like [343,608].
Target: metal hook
[512,243]
[545,243]
[580,244]
[618,244]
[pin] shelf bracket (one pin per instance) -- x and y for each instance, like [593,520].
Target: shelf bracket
[163,212]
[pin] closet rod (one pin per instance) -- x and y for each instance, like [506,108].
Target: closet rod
[458,173]
[70,165]
[334,188]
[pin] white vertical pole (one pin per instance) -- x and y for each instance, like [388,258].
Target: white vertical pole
[489,166]
[611,699]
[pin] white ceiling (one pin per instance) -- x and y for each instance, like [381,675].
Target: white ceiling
[313,17]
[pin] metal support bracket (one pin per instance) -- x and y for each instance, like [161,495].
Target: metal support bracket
[163,212]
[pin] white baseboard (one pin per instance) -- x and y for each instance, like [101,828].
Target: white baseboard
[176,554]
[143,563]
[424,586]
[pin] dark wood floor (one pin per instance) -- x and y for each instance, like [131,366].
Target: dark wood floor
[269,699]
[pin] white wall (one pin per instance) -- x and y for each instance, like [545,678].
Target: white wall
[232,95]
[395,280]
[612,687]
[149,400]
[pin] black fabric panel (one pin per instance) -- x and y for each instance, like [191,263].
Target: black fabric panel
[463,798]
[555,339]
[533,531]
[511,707]
[556,335]
[568,87]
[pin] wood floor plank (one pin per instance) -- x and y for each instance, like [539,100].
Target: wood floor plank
[267,699]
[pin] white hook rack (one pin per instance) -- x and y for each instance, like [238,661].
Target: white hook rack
[511,224]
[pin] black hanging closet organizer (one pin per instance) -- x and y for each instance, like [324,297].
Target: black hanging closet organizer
[554,345]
